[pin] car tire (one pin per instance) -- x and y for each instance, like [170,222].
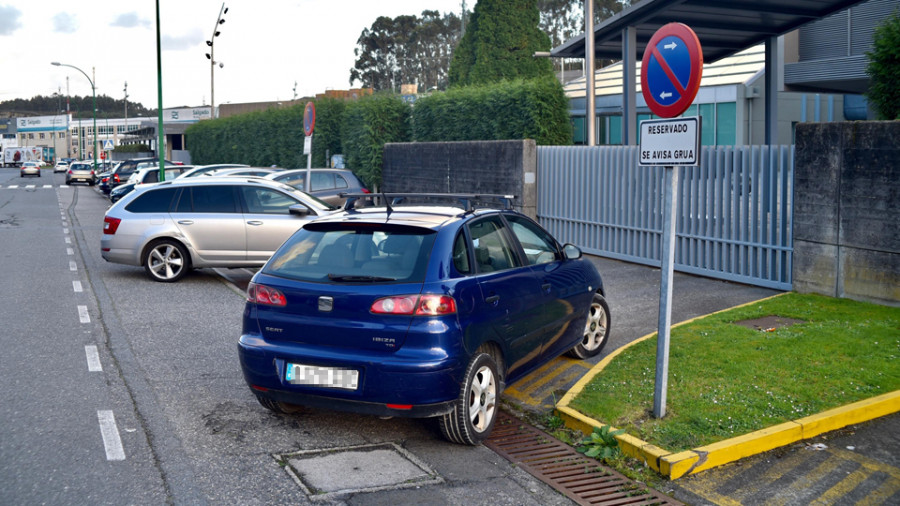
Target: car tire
[596,330]
[475,410]
[279,407]
[166,261]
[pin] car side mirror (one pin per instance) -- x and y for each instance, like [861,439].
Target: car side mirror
[571,251]
[299,210]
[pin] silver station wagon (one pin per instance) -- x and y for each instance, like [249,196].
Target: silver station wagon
[172,227]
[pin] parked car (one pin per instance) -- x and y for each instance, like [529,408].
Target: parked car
[61,166]
[246,171]
[327,184]
[145,176]
[199,170]
[30,169]
[124,169]
[80,172]
[420,311]
[203,222]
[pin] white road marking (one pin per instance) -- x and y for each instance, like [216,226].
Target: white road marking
[29,186]
[76,285]
[48,186]
[83,314]
[111,440]
[93,359]
[70,251]
[13,186]
[68,241]
[72,265]
[65,230]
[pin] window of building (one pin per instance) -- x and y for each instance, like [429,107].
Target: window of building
[726,124]
[41,135]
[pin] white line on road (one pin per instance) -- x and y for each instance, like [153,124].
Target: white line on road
[83,314]
[51,186]
[68,241]
[111,440]
[76,285]
[72,265]
[93,359]
[70,251]
[13,186]
[65,231]
[29,186]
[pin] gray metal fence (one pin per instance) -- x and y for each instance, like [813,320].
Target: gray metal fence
[733,222]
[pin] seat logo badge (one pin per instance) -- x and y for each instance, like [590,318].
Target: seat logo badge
[326,303]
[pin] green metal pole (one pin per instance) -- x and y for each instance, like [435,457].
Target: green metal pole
[94,93]
[159,127]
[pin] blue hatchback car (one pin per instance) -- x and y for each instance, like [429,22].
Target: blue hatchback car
[417,311]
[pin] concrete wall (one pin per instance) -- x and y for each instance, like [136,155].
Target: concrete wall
[847,210]
[495,167]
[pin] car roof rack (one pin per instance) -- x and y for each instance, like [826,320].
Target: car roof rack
[393,199]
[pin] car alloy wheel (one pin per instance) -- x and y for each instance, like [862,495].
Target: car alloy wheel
[596,330]
[166,261]
[475,410]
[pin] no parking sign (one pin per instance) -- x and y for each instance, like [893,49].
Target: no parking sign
[671,70]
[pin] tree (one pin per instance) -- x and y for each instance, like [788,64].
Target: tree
[884,68]
[406,50]
[564,19]
[499,44]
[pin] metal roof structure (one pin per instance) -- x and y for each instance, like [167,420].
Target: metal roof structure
[724,27]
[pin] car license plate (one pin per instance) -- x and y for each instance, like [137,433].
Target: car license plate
[329,377]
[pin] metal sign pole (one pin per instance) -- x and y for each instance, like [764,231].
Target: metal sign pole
[665,292]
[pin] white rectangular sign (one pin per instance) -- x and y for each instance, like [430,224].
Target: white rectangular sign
[670,141]
[307,144]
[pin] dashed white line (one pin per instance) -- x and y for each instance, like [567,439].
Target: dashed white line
[76,285]
[111,440]
[72,265]
[29,186]
[48,186]
[70,251]
[83,314]
[12,186]
[93,359]
[68,241]
[65,231]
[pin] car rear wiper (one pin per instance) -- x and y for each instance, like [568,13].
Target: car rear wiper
[351,278]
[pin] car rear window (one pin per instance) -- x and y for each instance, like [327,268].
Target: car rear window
[153,201]
[354,254]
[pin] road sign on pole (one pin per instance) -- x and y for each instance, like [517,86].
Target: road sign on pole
[309,124]
[671,70]
[670,78]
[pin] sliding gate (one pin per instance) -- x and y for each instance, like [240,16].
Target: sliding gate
[733,220]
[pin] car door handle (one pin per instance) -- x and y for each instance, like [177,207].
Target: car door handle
[185,222]
[493,299]
[254,222]
[546,287]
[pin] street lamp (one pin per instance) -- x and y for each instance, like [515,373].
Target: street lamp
[211,56]
[94,93]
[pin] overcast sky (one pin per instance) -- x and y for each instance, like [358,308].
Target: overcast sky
[265,45]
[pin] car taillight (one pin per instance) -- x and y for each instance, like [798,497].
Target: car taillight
[116,178]
[266,295]
[70,172]
[419,305]
[365,191]
[110,225]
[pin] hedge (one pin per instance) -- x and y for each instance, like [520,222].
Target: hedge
[521,109]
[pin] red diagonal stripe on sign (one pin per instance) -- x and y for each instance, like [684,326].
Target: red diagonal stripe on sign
[665,66]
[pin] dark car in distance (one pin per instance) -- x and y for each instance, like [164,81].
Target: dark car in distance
[417,311]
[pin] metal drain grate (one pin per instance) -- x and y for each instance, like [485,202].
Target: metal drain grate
[580,478]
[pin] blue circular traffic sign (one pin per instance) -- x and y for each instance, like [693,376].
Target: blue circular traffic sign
[671,70]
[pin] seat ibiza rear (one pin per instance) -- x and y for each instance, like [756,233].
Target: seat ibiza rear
[424,311]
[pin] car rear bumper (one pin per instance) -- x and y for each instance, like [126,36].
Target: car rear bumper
[388,385]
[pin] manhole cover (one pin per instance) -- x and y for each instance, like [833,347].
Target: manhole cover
[326,473]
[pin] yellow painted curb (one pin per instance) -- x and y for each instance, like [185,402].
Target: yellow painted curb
[676,465]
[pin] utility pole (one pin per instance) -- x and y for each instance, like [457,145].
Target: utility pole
[68,132]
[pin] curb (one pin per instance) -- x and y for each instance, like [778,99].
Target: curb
[676,465]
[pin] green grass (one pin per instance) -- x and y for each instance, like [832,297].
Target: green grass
[726,380]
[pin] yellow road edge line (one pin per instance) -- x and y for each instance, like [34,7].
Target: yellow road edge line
[706,457]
